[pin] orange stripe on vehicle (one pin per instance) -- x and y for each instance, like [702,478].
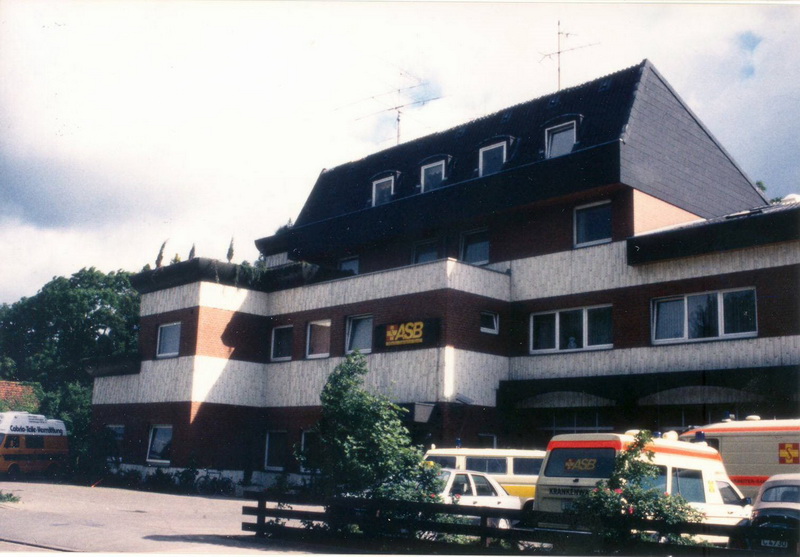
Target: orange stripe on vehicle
[748,429]
[749,480]
[619,445]
[610,444]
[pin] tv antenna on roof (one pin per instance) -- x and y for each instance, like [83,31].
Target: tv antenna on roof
[558,52]
[399,110]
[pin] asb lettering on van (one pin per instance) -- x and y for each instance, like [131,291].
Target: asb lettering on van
[575,463]
[31,443]
[753,449]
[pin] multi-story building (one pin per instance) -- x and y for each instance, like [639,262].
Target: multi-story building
[590,260]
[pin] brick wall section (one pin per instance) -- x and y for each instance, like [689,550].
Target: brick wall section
[232,335]
[148,331]
[13,393]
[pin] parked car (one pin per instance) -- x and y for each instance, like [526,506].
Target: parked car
[517,470]
[775,523]
[467,488]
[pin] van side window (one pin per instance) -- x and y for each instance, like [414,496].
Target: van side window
[689,484]
[487,465]
[12,442]
[34,442]
[659,481]
[527,466]
[443,461]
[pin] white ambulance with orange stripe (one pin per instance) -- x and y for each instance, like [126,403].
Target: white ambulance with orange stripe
[575,463]
[753,449]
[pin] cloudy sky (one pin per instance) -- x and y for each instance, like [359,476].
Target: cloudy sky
[124,124]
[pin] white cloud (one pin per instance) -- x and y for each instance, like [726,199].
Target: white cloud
[126,123]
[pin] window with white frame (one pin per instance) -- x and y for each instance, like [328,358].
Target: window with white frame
[310,446]
[282,339]
[169,340]
[382,191]
[492,158]
[490,322]
[359,334]
[432,175]
[475,247]
[572,329]
[318,339]
[159,447]
[593,224]
[277,450]
[426,251]
[349,264]
[559,140]
[707,315]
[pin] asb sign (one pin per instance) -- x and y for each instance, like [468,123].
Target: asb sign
[415,332]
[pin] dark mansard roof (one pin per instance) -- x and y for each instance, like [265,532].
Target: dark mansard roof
[631,128]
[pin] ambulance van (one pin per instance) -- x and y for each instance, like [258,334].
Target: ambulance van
[575,463]
[30,443]
[517,470]
[753,449]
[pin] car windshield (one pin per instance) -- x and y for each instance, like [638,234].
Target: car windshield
[782,494]
[444,475]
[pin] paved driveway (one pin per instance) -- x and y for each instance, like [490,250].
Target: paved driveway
[85,519]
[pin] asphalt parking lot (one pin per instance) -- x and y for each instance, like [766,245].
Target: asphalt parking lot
[62,517]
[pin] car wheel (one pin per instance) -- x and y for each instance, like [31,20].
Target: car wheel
[13,472]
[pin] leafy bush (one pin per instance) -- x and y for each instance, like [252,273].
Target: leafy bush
[364,448]
[160,481]
[8,497]
[617,505]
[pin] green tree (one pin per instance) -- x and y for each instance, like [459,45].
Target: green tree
[47,337]
[364,448]
[631,495]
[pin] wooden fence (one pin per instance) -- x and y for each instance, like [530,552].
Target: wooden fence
[386,519]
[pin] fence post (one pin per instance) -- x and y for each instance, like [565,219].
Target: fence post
[484,537]
[261,517]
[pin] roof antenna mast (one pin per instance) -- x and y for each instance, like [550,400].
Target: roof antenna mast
[558,52]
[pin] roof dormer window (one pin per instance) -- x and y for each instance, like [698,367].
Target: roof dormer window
[432,175]
[492,158]
[382,191]
[559,139]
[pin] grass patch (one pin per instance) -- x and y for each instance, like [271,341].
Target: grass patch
[8,497]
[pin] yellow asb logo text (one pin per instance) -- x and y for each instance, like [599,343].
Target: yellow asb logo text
[405,333]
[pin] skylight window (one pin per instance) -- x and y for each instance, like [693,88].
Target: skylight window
[560,139]
[432,176]
[382,191]
[492,158]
